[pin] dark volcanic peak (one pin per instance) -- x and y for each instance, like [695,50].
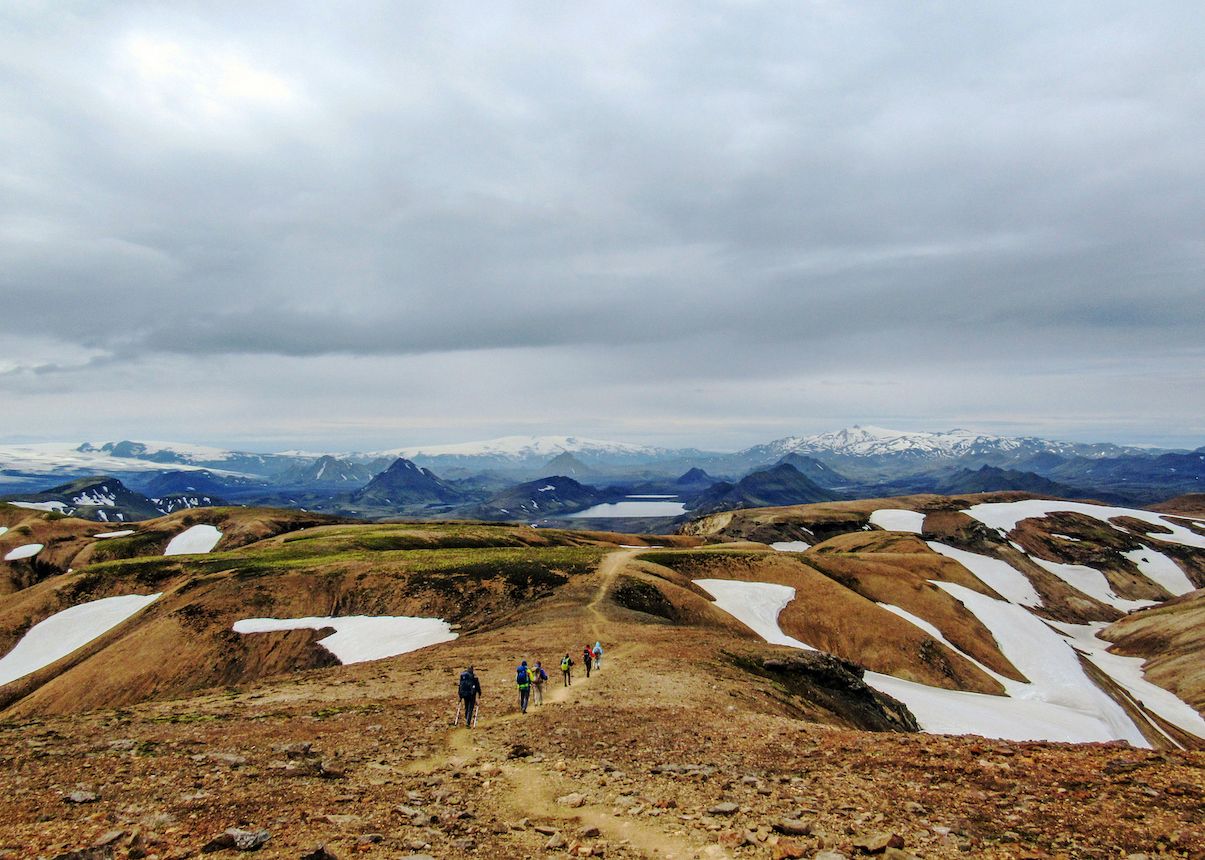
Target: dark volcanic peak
[404,483]
[991,479]
[814,470]
[329,471]
[566,464]
[780,485]
[194,481]
[695,477]
[544,497]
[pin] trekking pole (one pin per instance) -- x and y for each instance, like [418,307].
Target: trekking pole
[476,714]
[456,718]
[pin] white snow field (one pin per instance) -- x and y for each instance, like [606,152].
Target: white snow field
[1059,704]
[1005,516]
[1160,569]
[55,507]
[756,605]
[29,550]
[64,632]
[1127,672]
[198,539]
[3,529]
[359,638]
[898,520]
[116,534]
[1001,577]
[790,545]
[633,507]
[1091,582]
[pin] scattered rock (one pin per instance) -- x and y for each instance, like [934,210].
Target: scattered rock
[109,838]
[556,842]
[829,855]
[726,808]
[877,843]
[573,800]
[589,832]
[320,853]
[240,840]
[232,759]
[105,853]
[793,826]
[80,796]
[788,849]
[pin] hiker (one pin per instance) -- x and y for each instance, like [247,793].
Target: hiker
[597,656]
[538,677]
[523,680]
[567,670]
[588,659]
[470,689]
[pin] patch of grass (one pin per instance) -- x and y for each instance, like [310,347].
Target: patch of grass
[685,562]
[336,710]
[187,718]
[132,546]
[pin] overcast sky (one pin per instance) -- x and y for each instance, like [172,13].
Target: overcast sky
[366,225]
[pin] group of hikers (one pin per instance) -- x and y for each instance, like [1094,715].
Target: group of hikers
[527,679]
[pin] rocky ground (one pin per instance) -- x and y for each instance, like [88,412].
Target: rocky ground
[669,751]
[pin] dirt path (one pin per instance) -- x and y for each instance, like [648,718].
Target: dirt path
[534,796]
[535,787]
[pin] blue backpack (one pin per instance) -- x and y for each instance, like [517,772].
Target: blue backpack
[522,678]
[467,687]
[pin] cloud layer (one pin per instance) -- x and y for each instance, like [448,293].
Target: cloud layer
[696,223]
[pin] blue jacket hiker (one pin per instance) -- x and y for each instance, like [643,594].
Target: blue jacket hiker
[523,680]
[597,656]
[469,689]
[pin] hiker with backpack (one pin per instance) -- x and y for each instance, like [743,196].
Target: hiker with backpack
[523,680]
[469,689]
[588,659]
[538,677]
[597,656]
[567,670]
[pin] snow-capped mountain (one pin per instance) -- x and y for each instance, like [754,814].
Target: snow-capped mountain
[878,442]
[525,448]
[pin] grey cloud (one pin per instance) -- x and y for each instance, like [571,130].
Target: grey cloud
[732,191]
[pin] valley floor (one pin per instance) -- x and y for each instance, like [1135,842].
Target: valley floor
[667,752]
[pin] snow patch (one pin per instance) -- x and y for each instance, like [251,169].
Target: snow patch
[1127,672]
[3,529]
[1001,577]
[1160,569]
[29,550]
[116,534]
[1006,515]
[790,545]
[756,605]
[1091,582]
[198,539]
[898,520]
[360,638]
[546,489]
[58,507]
[64,632]
[1062,704]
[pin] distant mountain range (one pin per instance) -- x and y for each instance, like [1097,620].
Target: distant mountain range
[859,461]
